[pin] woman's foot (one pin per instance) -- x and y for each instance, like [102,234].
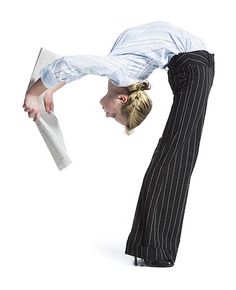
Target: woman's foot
[153,263]
[158,263]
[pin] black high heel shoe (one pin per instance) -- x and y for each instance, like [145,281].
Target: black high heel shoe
[158,263]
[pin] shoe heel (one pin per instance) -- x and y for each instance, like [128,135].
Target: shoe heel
[135,261]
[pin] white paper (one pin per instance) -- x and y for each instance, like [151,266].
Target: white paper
[48,124]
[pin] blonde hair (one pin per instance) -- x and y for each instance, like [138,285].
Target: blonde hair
[138,105]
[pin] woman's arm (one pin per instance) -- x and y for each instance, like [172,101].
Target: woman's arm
[48,97]
[74,67]
[67,69]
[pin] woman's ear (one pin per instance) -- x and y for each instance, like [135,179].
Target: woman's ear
[123,98]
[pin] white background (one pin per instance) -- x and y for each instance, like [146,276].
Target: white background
[68,229]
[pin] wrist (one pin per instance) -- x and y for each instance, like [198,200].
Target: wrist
[37,89]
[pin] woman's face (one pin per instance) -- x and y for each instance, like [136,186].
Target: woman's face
[113,101]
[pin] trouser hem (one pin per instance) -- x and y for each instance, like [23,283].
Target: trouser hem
[147,252]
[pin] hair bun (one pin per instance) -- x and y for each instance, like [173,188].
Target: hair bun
[142,85]
[145,85]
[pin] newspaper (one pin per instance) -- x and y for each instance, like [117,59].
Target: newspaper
[48,124]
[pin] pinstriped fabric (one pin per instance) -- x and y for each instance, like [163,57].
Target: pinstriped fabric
[158,220]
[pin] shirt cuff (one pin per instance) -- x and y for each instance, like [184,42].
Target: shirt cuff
[48,78]
[56,72]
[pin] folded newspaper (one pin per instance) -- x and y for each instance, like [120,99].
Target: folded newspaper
[48,124]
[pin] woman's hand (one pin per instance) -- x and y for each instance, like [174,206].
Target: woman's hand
[31,102]
[31,106]
[48,101]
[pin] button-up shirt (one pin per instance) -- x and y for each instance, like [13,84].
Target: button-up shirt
[135,54]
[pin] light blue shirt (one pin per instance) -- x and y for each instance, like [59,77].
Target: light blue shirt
[135,54]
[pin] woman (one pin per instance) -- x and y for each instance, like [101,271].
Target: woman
[157,224]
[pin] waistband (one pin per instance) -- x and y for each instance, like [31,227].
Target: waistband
[198,57]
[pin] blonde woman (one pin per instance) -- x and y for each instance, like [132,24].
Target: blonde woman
[158,220]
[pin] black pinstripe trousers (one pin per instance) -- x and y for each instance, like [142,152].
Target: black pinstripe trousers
[158,219]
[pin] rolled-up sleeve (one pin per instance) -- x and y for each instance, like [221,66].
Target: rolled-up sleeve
[71,68]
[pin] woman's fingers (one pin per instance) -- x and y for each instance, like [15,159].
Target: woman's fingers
[27,109]
[31,106]
[49,106]
[34,114]
[31,113]
[48,101]
[52,107]
[46,107]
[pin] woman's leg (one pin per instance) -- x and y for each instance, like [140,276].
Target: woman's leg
[157,224]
